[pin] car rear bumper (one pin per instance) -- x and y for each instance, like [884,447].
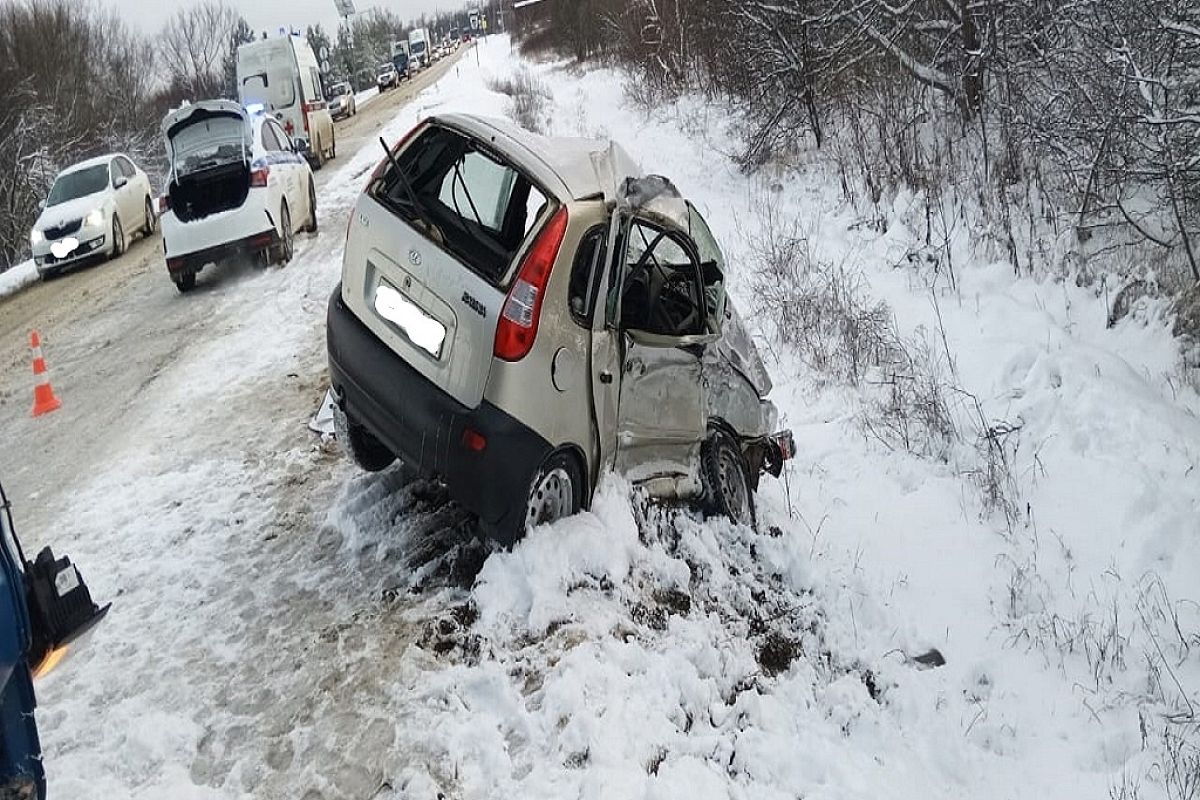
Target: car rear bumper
[194,261]
[190,245]
[428,429]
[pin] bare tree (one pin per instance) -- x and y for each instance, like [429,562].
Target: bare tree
[49,49]
[194,45]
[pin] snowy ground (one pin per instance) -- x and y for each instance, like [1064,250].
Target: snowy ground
[16,278]
[285,627]
[365,96]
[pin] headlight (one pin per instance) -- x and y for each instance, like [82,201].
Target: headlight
[36,237]
[94,219]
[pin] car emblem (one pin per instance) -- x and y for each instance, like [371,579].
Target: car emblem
[414,258]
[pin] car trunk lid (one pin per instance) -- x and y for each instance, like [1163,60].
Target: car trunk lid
[421,302]
[429,259]
[210,146]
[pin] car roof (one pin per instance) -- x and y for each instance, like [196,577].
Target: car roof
[571,168]
[91,162]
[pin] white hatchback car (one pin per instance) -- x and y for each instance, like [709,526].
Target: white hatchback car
[91,211]
[237,187]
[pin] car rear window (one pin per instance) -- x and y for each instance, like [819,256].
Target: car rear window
[468,199]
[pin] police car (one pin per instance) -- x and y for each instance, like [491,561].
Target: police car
[238,187]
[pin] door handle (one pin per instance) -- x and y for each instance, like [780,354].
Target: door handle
[605,376]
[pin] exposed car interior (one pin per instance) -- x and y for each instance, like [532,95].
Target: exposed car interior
[467,199]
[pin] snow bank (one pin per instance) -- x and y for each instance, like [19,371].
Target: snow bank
[365,96]
[16,278]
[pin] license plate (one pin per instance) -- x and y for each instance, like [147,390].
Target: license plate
[421,329]
[64,248]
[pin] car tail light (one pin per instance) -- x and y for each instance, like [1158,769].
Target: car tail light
[164,203]
[474,440]
[518,323]
[259,177]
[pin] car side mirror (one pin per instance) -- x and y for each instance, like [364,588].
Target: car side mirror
[120,182]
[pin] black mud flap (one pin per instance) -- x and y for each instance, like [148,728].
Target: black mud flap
[61,608]
[766,454]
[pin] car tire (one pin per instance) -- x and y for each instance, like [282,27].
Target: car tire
[555,492]
[725,477]
[318,154]
[151,219]
[283,253]
[333,148]
[185,282]
[370,454]
[118,238]
[311,225]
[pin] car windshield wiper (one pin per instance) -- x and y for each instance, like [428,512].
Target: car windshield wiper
[419,210]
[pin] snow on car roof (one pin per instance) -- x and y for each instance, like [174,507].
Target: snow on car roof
[582,167]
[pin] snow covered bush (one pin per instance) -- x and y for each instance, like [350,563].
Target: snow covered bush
[528,99]
[824,313]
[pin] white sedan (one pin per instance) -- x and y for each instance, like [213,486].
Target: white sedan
[237,187]
[91,211]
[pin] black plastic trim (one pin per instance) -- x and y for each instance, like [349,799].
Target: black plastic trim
[424,426]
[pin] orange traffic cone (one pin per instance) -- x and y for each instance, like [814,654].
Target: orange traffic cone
[44,400]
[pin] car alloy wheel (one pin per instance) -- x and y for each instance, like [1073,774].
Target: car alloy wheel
[286,242]
[118,236]
[151,219]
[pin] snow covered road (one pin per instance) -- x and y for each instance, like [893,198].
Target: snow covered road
[285,627]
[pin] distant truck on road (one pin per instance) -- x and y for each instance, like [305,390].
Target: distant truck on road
[418,47]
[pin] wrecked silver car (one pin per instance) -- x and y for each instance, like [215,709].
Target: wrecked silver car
[520,314]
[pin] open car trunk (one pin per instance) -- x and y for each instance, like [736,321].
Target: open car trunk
[220,188]
[210,147]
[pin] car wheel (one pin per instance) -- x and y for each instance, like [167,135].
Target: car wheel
[333,148]
[370,454]
[725,477]
[151,219]
[318,155]
[311,227]
[185,282]
[286,236]
[555,492]
[118,238]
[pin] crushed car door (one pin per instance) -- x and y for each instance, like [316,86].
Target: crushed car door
[660,413]
[605,345]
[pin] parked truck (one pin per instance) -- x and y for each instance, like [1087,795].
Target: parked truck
[418,47]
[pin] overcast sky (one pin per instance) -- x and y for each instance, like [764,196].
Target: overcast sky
[271,15]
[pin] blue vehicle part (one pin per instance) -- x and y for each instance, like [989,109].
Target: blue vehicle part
[20,749]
